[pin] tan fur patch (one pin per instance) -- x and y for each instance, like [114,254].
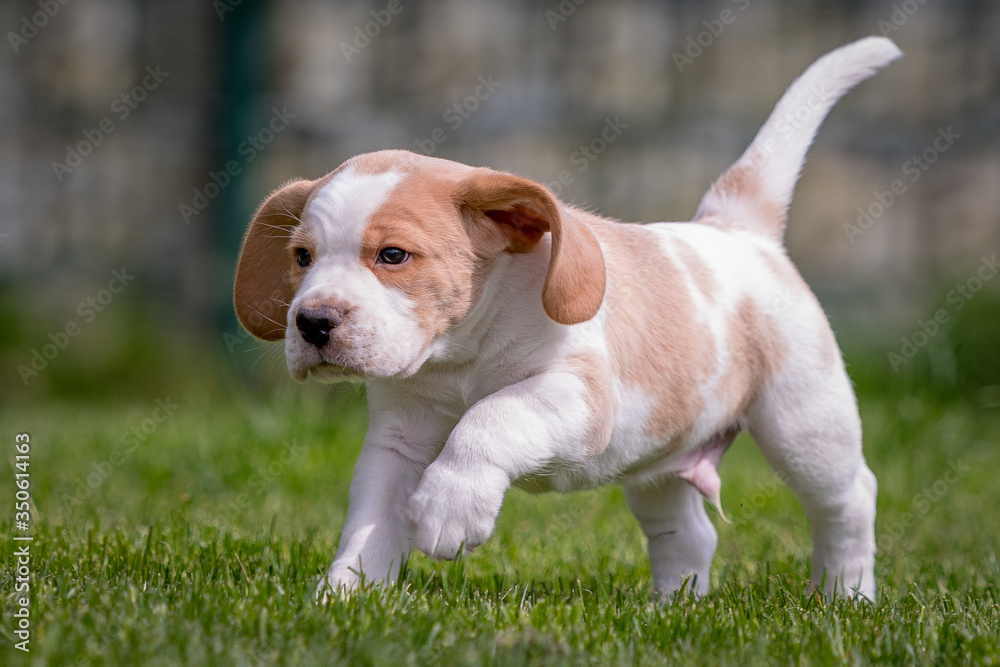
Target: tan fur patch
[655,341]
[782,269]
[443,275]
[593,371]
[701,273]
[756,351]
[743,182]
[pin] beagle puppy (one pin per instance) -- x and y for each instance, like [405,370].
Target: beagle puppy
[506,338]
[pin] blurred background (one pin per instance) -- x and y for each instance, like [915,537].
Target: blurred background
[137,137]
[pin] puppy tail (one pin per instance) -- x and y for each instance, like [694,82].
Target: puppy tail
[754,193]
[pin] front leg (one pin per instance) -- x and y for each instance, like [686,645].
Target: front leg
[507,435]
[376,540]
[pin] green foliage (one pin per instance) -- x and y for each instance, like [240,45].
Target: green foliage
[958,360]
[203,543]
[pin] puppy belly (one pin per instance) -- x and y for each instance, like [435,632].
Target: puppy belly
[699,467]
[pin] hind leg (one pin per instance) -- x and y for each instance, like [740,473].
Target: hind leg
[681,538]
[808,428]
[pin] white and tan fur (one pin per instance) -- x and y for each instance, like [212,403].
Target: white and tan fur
[527,342]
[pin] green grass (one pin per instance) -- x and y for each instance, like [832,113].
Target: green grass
[203,544]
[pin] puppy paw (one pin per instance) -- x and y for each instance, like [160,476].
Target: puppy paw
[337,583]
[455,510]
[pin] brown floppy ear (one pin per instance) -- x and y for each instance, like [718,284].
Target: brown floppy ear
[262,290]
[523,211]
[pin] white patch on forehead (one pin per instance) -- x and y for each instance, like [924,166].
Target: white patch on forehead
[379,335]
[340,211]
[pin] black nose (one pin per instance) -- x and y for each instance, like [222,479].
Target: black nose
[315,324]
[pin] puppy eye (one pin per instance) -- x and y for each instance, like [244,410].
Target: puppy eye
[303,257]
[393,256]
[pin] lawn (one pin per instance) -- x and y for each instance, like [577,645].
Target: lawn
[190,525]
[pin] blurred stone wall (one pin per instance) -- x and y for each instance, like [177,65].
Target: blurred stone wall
[637,105]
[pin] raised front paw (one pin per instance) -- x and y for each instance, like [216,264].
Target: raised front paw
[455,510]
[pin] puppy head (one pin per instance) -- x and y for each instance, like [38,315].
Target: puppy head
[363,270]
